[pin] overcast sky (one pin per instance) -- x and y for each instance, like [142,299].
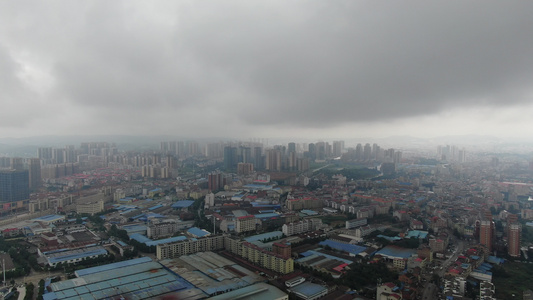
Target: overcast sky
[241,69]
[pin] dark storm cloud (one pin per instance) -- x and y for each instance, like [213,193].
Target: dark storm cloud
[298,63]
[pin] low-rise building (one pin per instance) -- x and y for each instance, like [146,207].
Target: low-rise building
[90,208]
[356,223]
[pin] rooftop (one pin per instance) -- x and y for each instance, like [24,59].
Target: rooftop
[392,251]
[182,204]
[134,279]
[352,249]
[258,291]
[308,289]
[263,236]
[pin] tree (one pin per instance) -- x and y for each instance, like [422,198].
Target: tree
[29,291]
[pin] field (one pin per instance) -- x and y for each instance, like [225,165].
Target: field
[513,278]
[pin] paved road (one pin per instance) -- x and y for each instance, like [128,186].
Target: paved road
[22,292]
[447,262]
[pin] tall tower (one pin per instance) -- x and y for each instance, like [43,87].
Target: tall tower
[230,157]
[513,239]
[14,186]
[338,147]
[273,160]
[486,233]
[34,168]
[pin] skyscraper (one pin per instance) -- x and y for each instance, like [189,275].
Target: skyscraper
[273,160]
[338,147]
[230,157]
[258,158]
[312,152]
[367,152]
[14,186]
[291,147]
[34,170]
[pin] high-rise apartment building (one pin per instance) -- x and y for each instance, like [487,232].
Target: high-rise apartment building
[273,160]
[338,147]
[291,147]
[230,157]
[367,152]
[486,234]
[17,163]
[215,181]
[258,158]
[34,169]
[14,186]
[513,239]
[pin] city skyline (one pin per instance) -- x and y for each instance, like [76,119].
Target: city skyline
[272,69]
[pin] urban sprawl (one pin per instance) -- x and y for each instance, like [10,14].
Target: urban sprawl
[249,220]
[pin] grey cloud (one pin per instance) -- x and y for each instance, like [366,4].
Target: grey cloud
[297,63]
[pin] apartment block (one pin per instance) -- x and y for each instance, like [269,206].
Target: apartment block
[190,246]
[301,226]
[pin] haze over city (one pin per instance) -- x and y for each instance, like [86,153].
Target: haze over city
[273,69]
[266,150]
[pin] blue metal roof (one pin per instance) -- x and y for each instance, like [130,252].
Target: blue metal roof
[112,266]
[140,238]
[121,243]
[308,289]
[310,254]
[267,216]
[49,218]
[417,234]
[143,239]
[71,256]
[396,252]
[309,212]
[353,249]
[169,240]
[140,280]
[182,203]
[198,232]
[155,207]
[260,237]
[135,228]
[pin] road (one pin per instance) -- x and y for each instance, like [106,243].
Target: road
[22,292]
[36,276]
[318,169]
[430,290]
[447,262]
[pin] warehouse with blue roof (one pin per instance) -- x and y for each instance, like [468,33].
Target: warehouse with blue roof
[139,278]
[392,252]
[197,232]
[353,250]
[182,204]
[148,242]
[49,219]
[72,256]
[267,216]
